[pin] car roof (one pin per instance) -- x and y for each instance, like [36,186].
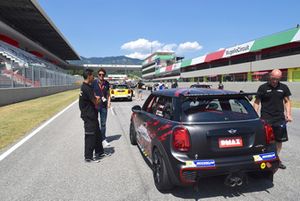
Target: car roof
[193,92]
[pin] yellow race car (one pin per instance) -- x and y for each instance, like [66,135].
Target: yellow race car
[121,91]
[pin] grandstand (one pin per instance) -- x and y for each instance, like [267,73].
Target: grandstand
[250,61]
[33,52]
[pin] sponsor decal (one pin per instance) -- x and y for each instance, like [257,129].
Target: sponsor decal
[262,166]
[201,163]
[268,156]
[280,90]
[264,157]
[205,163]
[239,49]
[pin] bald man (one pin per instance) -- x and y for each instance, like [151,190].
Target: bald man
[275,107]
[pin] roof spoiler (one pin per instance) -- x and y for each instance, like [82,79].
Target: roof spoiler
[231,95]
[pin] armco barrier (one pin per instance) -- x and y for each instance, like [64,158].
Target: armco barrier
[14,95]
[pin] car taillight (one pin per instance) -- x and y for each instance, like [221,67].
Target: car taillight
[270,138]
[129,91]
[181,139]
[112,91]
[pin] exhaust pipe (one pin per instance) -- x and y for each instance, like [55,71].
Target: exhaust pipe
[233,181]
[239,181]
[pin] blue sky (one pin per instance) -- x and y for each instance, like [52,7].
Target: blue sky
[98,28]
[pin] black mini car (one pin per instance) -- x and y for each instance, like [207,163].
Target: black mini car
[187,134]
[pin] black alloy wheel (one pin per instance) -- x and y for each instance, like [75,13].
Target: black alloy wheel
[160,173]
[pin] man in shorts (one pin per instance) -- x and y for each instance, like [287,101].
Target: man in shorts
[275,107]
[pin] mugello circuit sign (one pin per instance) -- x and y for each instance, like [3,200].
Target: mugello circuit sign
[239,49]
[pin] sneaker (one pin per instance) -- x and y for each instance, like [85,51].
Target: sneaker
[88,160]
[96,159]
[104,154]
[281,166]
[105,144]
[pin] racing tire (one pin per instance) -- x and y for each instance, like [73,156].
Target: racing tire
[160,172]
[132,135]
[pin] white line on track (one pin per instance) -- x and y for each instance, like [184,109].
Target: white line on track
[13,148]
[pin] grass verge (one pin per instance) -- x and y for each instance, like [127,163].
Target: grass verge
[295,104]
[20,118]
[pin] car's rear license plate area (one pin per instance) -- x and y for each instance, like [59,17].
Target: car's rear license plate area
[229,142]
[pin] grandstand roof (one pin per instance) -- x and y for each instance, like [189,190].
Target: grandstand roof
[28,18]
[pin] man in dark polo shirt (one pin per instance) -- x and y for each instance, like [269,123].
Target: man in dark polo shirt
[275,107]
[89,114]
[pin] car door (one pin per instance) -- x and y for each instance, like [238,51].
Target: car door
[144,119]
[159,128]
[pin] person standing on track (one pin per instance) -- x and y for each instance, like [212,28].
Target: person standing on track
[101,89]
[275,107]
[89,115]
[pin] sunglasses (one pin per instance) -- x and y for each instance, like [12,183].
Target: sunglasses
[101,74]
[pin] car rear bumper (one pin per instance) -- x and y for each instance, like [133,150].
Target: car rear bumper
[189,171]
[128,96]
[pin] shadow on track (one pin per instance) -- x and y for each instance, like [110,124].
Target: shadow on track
[113,138]
[214,187]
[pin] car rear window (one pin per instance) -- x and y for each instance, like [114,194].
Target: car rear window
[120,87]
[217,109]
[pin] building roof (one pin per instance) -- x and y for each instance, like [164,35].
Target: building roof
[28,18]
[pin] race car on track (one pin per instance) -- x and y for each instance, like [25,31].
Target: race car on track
[187,134]
[121,91]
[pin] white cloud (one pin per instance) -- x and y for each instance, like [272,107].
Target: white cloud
[169,47]
[137,55]
[141,44]
[189,46]
[142,47]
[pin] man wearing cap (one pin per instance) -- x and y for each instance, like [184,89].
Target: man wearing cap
[275,107]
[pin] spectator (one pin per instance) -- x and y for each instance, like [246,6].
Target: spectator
[220,85]
[140,90]
[174,85]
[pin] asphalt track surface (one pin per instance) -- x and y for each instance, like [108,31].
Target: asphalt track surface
[50,166]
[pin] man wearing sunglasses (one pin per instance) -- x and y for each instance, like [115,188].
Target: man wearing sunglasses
[275,107]
[101,89]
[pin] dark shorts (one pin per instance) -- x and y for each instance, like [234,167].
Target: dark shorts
[280,131]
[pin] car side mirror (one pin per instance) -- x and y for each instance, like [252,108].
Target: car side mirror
[136,108]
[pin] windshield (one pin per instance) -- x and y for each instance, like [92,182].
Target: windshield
[120,87]
[195,109]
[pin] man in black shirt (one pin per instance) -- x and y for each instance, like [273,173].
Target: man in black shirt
[89,114]
[275,107]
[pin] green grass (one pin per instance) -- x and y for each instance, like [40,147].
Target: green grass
[295,104]
[20,118]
